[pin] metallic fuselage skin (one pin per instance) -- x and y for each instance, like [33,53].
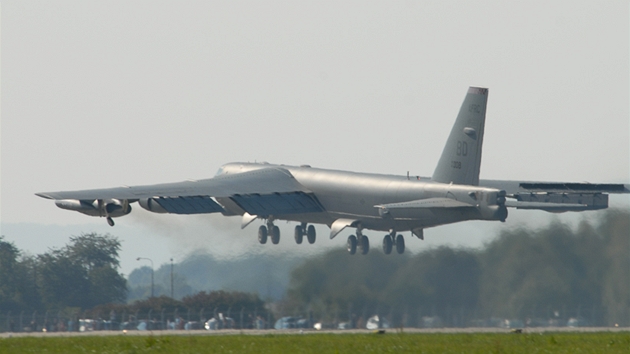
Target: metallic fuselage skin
[352,195]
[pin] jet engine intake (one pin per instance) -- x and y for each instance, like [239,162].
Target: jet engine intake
[116,207]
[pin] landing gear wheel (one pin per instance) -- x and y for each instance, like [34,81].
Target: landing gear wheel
[310,234]
[400,244]
[387,244]
[275,235]
[352,244]
[110,221]
[364,245]
[262,234]
[299,234]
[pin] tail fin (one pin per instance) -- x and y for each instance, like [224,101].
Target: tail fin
[461,158]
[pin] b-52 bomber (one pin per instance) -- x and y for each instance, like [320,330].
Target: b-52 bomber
[343,199]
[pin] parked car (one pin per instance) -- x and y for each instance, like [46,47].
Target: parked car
[431,322]
[376,322]
[577,322]
[286,323]
[220,322]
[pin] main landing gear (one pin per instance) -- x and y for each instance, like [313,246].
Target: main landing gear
[110,221]
[361,241]
[390,240]
[272,231]
[302,230]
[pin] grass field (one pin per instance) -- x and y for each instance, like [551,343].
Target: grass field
[328,343]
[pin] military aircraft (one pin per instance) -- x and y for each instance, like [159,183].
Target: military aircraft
[342,199]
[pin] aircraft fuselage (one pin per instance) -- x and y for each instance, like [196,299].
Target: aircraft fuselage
[352,195]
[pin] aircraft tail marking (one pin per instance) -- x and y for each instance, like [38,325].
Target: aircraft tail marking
[461,158]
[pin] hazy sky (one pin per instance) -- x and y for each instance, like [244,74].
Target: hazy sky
[103,94]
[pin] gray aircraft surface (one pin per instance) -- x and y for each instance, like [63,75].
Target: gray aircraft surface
[342,199]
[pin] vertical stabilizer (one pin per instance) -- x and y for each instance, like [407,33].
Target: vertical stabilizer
[461,158]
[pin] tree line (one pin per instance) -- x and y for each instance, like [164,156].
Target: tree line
[524,273]
[219,301]
[552,272]
[82,274]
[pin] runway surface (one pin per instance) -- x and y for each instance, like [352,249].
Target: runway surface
[309,331]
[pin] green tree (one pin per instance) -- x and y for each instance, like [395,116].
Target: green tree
[223,300]
[92,250]
[62,282]
[437,280]
[157,304]
[525,272]
[82,274]
[615,228]
[8,282]
[336,283]
[10,295]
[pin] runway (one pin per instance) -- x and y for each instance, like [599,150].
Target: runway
[532,330]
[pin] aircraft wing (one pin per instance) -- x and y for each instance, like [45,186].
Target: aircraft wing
[557,196]
[268,191]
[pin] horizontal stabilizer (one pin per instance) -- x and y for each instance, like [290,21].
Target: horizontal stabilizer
[429,203]
[575,187]
[519,187]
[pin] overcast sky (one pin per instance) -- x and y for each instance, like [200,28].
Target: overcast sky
[103,94]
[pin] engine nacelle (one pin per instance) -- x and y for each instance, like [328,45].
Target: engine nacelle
[152,205]
[116,207]
[109,207]
[81,206]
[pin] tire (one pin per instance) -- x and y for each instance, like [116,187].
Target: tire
[262,234]
[299,234]
[352,244]
[387,244]
[310,234]
[275,235]
[400,244]
[364,245]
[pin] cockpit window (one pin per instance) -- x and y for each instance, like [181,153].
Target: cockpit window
[219,172]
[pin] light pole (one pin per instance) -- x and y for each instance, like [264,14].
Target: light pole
[150,260]
[172,292]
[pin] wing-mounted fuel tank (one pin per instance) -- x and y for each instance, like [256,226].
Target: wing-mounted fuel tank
[109,208]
